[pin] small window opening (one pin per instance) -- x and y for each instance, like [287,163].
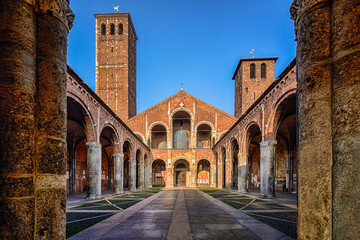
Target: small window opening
[254,95]
[263,70]
[121,29]
[247,90]
[112,29]
[252,71]
[112,49]
[103,29]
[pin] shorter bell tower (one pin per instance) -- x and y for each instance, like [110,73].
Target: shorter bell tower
[252,77]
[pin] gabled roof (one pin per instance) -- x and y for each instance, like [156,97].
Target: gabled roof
[185,94]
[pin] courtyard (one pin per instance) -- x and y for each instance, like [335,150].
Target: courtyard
[183,213]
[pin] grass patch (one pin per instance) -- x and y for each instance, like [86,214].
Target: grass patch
[208,189]
[127,204]
[288,228]
[235,204]
[76,227]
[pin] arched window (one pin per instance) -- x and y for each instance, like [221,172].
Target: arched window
[121,29]
[263,70]
[158,137]
[181,129]
[103,29]
[112,29]
[181,139]
[252,70]
[203,136]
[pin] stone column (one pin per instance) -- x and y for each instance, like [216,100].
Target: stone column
[267,168]
[148,177]
[170,175]
[72,172]
[328,59]
[132,175]
[93,170]
[212,175]
[242,168]
[228,169]
[33,46]
[141,175]
[119,173]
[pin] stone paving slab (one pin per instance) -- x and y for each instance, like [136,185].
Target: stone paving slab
[181,214]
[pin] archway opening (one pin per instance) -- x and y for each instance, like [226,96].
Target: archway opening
[286,147]
[76,177]
[235,163]
[159,173]
[203,173]
[203,136]
[127,154]
[181,173]
[138,159]
[217,170]
[107,140]
[253,157]
[158,137]
[181,129]
[223,158]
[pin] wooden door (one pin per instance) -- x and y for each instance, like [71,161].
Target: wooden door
[181,180]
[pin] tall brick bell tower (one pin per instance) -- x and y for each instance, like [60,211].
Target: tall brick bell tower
[252,77]
[116,63]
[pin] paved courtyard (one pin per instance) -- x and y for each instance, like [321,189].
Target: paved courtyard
[180,214]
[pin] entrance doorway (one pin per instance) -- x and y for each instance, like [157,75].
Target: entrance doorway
[181,169]
[181,179]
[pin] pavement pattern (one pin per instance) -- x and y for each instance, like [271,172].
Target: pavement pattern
[180,214]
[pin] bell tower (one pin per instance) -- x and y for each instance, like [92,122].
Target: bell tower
[252,77]
[116,63]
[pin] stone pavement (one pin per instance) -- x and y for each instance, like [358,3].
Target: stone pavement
[180,214]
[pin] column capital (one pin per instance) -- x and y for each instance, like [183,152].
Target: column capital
[93,144]
[119,155]
[269,142]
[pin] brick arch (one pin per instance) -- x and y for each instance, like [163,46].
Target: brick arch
[131,144]
[179,110]
[141,153]
[156,159]
[158,123]
[275,115]
[233,141]
[204,122]
[222,134]
[113,128]
[246,137]
[89,120]
[138,134]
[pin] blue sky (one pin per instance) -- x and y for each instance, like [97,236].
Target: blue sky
[194,42]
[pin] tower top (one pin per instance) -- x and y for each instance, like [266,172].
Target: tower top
[252,60]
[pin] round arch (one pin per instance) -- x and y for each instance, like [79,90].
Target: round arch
[158,123]
[234,162]
[205,122]
[158,138]
[139,135]
[273,119]
[181,173]
[158,173]
[179,110]
[203,173]
[86,114]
